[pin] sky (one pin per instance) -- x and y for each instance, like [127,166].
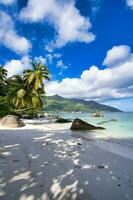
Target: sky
[86,44]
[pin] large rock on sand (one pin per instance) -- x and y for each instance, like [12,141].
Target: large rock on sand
[12,121]
[79,124]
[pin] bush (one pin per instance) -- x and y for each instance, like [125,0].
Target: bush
[4,110]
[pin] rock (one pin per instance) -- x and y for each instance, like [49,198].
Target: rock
[111,120]
[40,115]
[26,116]
[45,114]
[12,121]
[97,114]
[79,124]
[62,120]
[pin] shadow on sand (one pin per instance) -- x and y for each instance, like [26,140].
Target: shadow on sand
[38,165]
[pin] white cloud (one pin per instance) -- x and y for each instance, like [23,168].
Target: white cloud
[95,83]
[130,3]
[49,58]
[69,24]
[61,65]
[7,2]
[17,66]
[117,55]
[52,57]
[40,59]
[10,38]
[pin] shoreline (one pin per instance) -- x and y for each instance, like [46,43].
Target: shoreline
[113,145]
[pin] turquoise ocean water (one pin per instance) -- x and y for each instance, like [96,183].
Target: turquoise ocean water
[120,130]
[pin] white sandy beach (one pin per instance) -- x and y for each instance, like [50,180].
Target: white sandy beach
[40,162]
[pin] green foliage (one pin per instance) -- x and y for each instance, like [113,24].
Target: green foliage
[57,103]
[64,105]
[4,110]
[23,92]
[3,75]
[19,94]
[36,76]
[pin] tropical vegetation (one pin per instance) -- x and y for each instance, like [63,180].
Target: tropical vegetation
[24,92]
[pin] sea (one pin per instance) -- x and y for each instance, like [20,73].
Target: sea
[118,126]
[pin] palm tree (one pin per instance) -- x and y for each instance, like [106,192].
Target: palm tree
[36,76]
[3,76]
[25,91]
[19,94]
[22,96]
[4,107]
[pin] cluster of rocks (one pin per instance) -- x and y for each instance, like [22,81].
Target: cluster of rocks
[39,115]
[13,121]
[79,124]
[26,116]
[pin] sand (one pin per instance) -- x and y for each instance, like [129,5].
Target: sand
[45,162]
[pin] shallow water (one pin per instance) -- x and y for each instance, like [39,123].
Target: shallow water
[120,131]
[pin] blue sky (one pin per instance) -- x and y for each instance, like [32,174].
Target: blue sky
[87,46]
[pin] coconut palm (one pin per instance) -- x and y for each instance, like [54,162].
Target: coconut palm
[36,76]
[25,91]
[19,94]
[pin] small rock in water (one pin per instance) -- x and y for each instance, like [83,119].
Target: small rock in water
[119,185]
[101,167]
[62,120]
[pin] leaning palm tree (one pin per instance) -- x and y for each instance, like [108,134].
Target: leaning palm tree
[36,76]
